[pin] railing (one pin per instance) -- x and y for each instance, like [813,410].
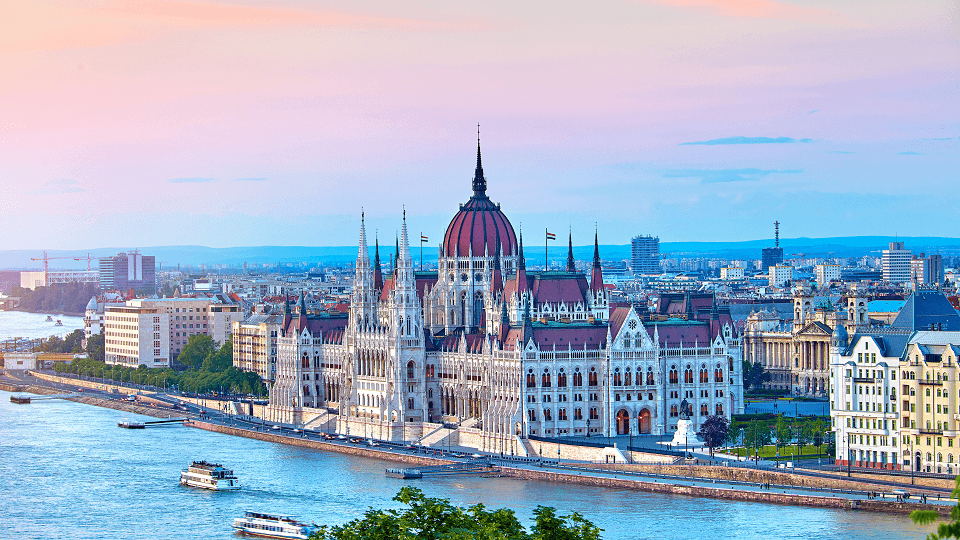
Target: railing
[931,383]
[863,379]
[931,431]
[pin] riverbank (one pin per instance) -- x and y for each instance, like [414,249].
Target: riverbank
[732,483]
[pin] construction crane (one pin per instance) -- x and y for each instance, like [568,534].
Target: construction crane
[46,258]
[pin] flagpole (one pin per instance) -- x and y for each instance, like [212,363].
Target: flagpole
[421,251]
[546,238]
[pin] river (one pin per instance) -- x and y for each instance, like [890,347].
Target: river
[69,473]
[34,325]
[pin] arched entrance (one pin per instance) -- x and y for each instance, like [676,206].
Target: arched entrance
[644,421]
[917,464]
[623,422]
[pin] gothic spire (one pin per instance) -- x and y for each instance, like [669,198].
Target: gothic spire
[377,272]
[571,265]
[497,285]
[596,279]
[396,259]
[479,182]
[521,268]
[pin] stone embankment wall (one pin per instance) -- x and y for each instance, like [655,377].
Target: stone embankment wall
[363,451]
[741,474]
[762,496]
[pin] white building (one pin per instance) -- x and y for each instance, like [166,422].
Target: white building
[895,263]
[826,273]
[863,397]
[19,361]
[731,272]
[136,335]
[780,274]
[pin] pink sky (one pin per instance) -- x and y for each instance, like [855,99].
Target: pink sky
[247,123]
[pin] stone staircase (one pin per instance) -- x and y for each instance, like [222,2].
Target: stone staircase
[437,436]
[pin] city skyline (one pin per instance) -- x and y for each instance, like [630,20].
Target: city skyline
[274,124]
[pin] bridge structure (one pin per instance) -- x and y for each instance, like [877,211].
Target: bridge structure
[474,466]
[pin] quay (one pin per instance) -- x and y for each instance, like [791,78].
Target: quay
[26,400]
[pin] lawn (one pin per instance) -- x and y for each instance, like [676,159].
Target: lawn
[787,452]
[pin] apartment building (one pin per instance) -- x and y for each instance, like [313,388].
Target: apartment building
[136,335]
[255,344]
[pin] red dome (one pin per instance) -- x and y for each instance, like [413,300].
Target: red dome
[476,227]
[478,224]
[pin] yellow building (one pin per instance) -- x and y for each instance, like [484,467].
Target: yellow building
[930,417]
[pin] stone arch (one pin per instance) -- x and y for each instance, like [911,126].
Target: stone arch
[623,422]
[643,421]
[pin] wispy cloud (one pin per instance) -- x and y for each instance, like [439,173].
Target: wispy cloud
[750,140]
[251,180]
[841,152]
[813,111]
[58,186]
[713,176]
[908,153]
[191,180]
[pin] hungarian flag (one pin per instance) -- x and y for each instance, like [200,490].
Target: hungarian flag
[551,236]
[423,238]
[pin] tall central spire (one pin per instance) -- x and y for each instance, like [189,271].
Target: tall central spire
[479,182]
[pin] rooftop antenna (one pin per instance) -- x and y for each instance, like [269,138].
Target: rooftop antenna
[776,234]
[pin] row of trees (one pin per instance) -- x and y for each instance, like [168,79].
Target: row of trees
[209,369]
[56,297]
[71,343]
[428,518]
[758,433]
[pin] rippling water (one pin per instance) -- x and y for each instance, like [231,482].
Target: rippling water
[69,473]
[35,325]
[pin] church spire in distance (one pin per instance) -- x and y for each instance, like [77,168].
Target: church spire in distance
[571,263]
[479,182]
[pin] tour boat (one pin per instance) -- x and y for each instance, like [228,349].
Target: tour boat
[213,476]
[59,323]
[272,526]
[49,318]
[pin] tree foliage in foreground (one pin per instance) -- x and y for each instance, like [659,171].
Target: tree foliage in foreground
[434,518]
[947,529]
[714,431]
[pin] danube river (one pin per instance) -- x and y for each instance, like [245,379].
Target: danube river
[69,473]
[34,325]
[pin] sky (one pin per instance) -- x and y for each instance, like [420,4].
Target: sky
[151,122]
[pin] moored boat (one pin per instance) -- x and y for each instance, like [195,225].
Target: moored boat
[272,526]
[213,476]
[49,318]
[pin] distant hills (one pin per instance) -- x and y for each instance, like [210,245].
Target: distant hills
[257,256]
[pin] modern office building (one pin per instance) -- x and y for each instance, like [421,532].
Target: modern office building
[255,344]
[772,256]
[826,273]
[128,271]
[645,254]
[895,263]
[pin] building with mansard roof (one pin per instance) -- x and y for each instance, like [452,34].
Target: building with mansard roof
[487,353]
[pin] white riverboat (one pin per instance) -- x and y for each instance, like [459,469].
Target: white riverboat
[272,526]
[213,476]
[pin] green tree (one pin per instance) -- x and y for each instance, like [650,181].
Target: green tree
[713,431]
[219,360]
[817,431]
[197,349]
[804,436]
[756,435]
[947,529]
[72,343]
[95,347]
[754,375]
[434,518]
[782,432]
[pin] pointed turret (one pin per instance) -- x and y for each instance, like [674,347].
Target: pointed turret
[363,255]
[521,268]
[396,255]
[504,322]
[479,182]
[571,264]
[596,279]
[302,305]
[377,272]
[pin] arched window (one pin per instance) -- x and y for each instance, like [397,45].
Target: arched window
[577,377]
[704,376]
[703,410]
[688,375]
[718,374]
[617,380]
[592,377]
[719,409]
[546,378]
[674,411]
[626,341]
[674,375]
[639,377]
[561,379]
[410,366]
[650,380]
[546,415]
[531,380]
[578,414]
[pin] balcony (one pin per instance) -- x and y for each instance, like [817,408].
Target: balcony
[930,383]
[931,431]
[863,380]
